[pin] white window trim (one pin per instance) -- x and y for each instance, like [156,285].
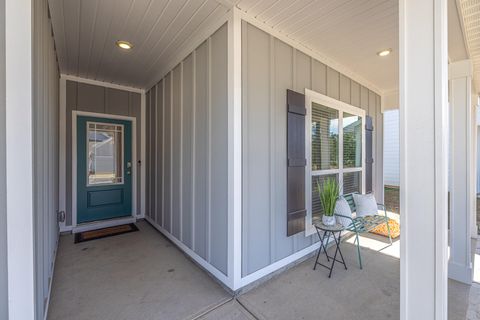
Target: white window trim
[315,97]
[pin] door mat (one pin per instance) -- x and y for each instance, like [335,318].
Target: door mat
[105,232]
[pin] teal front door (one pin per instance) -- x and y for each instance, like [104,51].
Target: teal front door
[104,169]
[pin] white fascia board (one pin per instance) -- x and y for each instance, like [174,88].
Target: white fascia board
[101,83]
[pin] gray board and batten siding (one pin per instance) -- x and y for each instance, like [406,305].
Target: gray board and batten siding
[186,148]
[3,173]
[270,67]
[98,99]
[45,122]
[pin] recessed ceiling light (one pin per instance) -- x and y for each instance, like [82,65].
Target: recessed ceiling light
[384,53]
[124,45]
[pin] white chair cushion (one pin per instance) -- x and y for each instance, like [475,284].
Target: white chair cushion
[342,207]
[366,204]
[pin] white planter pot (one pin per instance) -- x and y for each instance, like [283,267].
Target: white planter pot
[328,220]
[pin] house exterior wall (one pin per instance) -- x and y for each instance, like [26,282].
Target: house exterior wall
[186,148]
[45,153]
[3,184]
[269,68]
[98,99]
[392,147]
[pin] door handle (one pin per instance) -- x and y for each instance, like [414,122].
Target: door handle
[129,167]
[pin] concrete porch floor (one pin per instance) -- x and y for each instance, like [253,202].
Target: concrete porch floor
[142,275]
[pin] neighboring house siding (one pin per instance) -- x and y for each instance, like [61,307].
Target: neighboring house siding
[187,149]
[45,122]
[392,148]
[98,99]
[269,68]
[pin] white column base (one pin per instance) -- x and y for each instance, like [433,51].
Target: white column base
[460,272]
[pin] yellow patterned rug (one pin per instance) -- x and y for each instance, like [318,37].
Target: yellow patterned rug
[383,231]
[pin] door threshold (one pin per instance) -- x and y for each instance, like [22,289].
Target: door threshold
[103,224]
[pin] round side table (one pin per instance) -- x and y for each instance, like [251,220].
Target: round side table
[333,230]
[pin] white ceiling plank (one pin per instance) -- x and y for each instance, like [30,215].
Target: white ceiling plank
[56,11]
[175,24]
[190,43]
[227,4]
[175,37]
[319,15]
[274,18]
[470,17]
[71,25]
[277,6]
[374,13]
[87,32]
[311,10]
[101,34]
[348,32]
[259,6]
[117,13]
[129,28]
[146,52]
[246,5]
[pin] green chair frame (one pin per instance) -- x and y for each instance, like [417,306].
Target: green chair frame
[364,224]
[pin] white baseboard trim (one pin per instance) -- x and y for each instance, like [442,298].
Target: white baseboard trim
[207,266]
[278,265]
[65,229]
[103,224]
[460,272]
[47,303]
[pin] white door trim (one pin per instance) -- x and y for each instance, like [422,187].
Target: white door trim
[105,223]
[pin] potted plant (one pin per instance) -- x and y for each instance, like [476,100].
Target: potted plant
[328,193]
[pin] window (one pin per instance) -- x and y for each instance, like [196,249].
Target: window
[104,153]
[324,138]
[335,148]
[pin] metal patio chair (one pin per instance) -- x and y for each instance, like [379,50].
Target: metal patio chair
[364,224]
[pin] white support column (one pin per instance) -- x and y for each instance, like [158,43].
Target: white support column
[19,147]
[234,149]
[423,162]
[462,177]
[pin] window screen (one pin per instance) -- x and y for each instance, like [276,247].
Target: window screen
[352,141]
[352,182]
[324,138]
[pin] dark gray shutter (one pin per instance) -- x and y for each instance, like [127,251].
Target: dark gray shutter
[296,162]
[369,153]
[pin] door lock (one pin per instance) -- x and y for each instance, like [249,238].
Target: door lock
[129,167]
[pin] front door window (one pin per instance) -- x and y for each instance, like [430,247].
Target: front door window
[104,153]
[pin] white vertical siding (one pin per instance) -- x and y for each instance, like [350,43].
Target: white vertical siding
[391,153]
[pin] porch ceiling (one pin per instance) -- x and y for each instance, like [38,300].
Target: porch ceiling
[347,32]
[86,32]
[470,14]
